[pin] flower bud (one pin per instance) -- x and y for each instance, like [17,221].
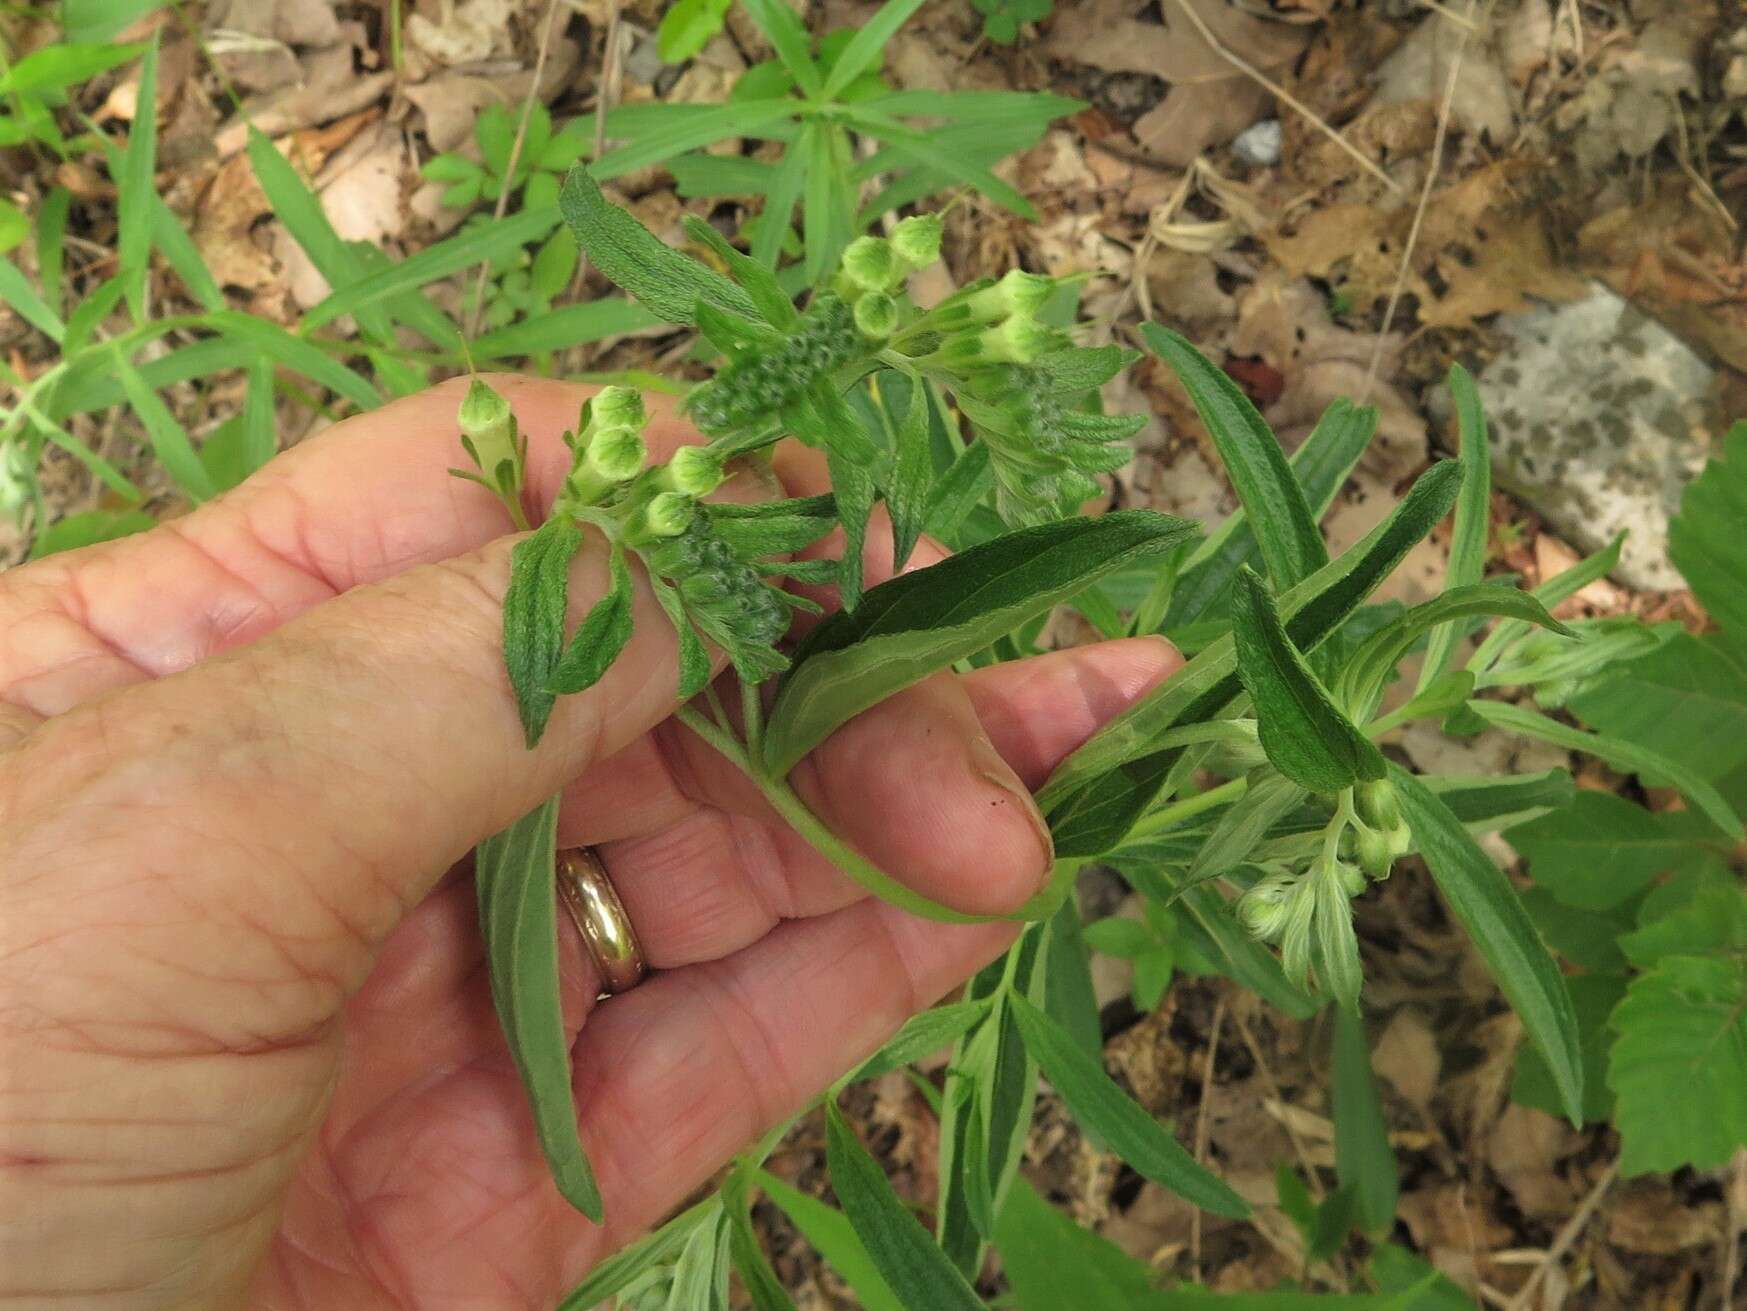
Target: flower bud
[694,471]
[488,430]
[876,315]
[1266,908]
[1350,877]
[1376,804]
[616,454]
[1018,292]
[1374,852]
[916,241]
[869,263]
[669,514]
[617,407]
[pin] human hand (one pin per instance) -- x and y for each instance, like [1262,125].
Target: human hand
[247,1048]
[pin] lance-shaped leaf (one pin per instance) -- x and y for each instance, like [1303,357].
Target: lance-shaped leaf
[921,1035]
[513,876]
[1501,930]
[1364,1160]
[1473,515]
[834,1238]
[1117,1119]
[907,628]
[657,1249]
[600,636]
[1320,465]
[534,610]
[667,282]
[921,1275]
[1097,793]
[1362,679]
[1278,514]
[1304,733]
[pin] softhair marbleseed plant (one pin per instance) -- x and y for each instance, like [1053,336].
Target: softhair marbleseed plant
[1246,796]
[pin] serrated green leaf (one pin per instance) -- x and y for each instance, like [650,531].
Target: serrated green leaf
[1714,922]
[1131,1133]
[1277,511]
[1704,539]
[513,873]
[599,638]
[912,1266]
[1305,734]
[1678,1065]
[1467,563]
[1364,1161]
[1686,700]
[922,621]
[664,280]
[534,612]
[1618,753]
[1602,850]
[1500,929]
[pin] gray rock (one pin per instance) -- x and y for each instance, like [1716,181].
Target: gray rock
[1597,415]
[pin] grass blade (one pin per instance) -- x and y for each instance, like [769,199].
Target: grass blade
[17,293]
[169,439]
[1364,1161]
[868,43]
[788,36]
[137,188]
[1473,516]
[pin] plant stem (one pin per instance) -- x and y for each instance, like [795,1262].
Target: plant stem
[1170,816]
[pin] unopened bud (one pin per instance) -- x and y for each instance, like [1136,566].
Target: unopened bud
[488,429]
[1266,908]
[694,471]
[1018,292]
[876,315]
[617,454]
[669,514]
[1375,856]
[916,241]
[617,407]
[1376,804]
[868,263]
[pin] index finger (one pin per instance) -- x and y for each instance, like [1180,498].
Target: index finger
[360,502]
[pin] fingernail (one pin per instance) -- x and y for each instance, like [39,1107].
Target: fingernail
[990,765]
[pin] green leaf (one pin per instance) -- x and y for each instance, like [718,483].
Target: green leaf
[1560,587]
[1364,1161]
[1238,831]
[17,293]
[57,67]
[754,277]
[700,1276]
[534,611]
[827,210]
[657,1249]
[694,660]
[296,353]
[688,26]
[562,328]
[868,45]
[1399,1271]
[1068,996]
[1620,754]
[102,20]
[1363,678]
[912,466]
[1704,539]
[1274,503]
[830,1233]
[1500,929]
[136,189]
[51,233]
[169,440]
[913,1267]
[513,873]
[761,1281]
[1602,850]
[922,1035]
[1304,733]
[1097,793]
[1485,804]
[1321,466]
[1105,1109]
[1714,922]
[599,638]
[1586,938]
[1594,997]
[461,251]
[922,621]
[1119,936]
[1678,1067]
[779,205]
[660,144]
[1053,1264]
[664,280]
[260,426]
[788,36]
[1467,563]
[87,529]
[937,153]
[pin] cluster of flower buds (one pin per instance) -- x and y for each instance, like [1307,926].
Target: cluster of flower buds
[725,595]
[871,275]
[607,447]
[753,390]
[1381,835]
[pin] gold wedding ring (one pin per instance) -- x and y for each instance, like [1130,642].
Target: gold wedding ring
[600,917]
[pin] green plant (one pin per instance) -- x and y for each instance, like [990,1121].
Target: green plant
[541,161]
[1002,19]
[1647,904]
[1284,703]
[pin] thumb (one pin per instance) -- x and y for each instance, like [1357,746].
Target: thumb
[289,801]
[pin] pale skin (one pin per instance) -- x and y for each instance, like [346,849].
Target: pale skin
[247,1051]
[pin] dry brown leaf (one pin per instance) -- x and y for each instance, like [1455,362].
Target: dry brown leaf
[1646,1217]
[451,102]
[1523,1150]
[1420,69]
[1407,1057]
[1513,261]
